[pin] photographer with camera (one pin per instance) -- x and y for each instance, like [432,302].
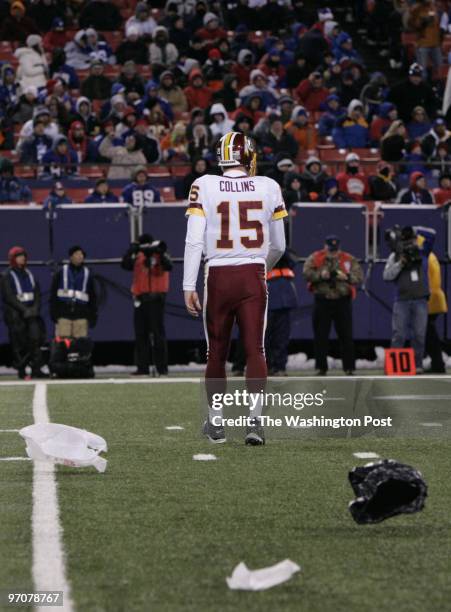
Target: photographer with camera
[151,264]
[332,275]
[407,267]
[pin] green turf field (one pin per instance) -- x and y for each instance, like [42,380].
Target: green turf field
[160,532]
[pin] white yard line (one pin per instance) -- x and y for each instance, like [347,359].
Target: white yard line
[366,455]
[49,566]
[9,430]
[410,398]
[160,381]
[102,381]
[15,459]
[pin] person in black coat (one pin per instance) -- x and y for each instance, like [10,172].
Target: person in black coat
[412,92]
[21,296]
[282,300]
[228,95]
[297,71]
[292,192]
[313,178]
[199,168]
[282,166]
[278,140]
[313,45]
[382,186]
[73,299]
[132,48]
[394,143]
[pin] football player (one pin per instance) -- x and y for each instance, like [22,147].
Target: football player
[236,220]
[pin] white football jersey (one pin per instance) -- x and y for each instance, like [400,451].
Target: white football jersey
[238,210]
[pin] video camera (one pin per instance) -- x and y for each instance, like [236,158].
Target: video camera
[152,248]
[402,241]
[148,246]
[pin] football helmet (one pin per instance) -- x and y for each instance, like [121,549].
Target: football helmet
[236,149]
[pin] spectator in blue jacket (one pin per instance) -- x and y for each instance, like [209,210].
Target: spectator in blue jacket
[140,192]
[151,98]
[102,194]
[332,112]
[36,146]
[343,48]
[351,131]
[419,124]
[61,160]
[8,88]
[56,197]
[11,188]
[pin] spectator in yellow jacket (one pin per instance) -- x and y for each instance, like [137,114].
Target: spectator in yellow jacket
[436,304]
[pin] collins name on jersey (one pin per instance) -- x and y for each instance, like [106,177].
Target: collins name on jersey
[238,209]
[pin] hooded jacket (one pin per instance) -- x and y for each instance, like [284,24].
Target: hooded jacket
[32,68]
[227,95]
[269,95]
[290,195]
[305,135]
[222,127]
[242,70]
[350,133]
[313,183]
[174,95]
[415,195]
[165,55]
[197,96]
[77,56]
[330,116]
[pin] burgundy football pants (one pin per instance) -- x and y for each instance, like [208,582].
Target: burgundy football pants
[236,293]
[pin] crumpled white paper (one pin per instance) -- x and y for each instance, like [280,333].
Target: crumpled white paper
[204,457]
[245,579]
[65,445]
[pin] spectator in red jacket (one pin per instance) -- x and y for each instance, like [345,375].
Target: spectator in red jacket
[352,181]
[57,37]
[311,92]
[197,93]
[442,194]
[211,33]
[243,67]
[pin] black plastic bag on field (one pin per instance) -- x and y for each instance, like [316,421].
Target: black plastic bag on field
[384,489]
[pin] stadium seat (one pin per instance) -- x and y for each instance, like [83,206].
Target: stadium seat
[25,171]
[332,155]
[158,171]
[77,194]
[39,195]
[91,171]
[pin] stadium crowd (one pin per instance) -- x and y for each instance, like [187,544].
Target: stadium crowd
[155,85]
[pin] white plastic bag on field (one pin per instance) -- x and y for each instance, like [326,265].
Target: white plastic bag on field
[65,445]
